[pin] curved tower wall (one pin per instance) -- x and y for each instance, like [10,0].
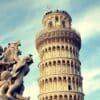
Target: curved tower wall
[58,46]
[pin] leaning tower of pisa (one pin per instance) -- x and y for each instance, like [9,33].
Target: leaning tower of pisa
[58,46]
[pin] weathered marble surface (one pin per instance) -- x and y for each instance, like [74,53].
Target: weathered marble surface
[12,71]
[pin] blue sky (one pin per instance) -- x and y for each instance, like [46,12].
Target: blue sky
[21,20]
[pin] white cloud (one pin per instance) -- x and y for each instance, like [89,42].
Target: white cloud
[32,91]
[91,73]
[90,82]
[88,23]
[22,32]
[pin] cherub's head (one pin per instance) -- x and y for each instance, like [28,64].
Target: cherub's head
[15,44]
[28,59]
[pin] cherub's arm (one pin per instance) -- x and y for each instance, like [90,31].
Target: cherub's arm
[2,82]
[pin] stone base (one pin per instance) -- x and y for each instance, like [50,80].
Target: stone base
[4,98]
[18,98]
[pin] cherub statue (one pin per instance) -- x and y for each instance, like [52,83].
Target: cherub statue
[21,69]
[11,81]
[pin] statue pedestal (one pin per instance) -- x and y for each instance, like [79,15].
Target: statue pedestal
[4,98]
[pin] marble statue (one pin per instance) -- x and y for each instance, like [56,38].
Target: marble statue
[12,71]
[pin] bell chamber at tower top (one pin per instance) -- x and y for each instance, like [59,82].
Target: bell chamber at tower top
[57,26]
[57,19]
